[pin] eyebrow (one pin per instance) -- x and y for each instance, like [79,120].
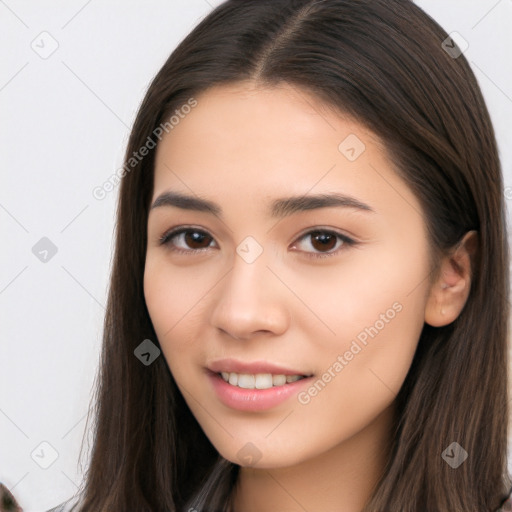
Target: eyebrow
[281,207]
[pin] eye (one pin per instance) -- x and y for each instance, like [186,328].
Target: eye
[186,240]
[191,240]
[325,241]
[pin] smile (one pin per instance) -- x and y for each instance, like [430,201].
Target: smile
[252,398]
[258,380]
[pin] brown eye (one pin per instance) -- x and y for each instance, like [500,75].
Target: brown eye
[322,240]
[196,239]
[187,240]
[324,243]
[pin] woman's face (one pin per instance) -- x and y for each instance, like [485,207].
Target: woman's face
[302,256]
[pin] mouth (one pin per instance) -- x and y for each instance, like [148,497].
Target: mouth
[259,380]
[255,374]
[255,392]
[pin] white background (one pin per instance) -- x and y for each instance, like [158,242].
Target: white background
[64,125]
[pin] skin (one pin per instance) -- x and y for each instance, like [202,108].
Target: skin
[242,146]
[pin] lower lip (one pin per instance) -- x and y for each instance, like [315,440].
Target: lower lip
[254,399]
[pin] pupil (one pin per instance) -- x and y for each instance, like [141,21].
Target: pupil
[324,239]
[193,237]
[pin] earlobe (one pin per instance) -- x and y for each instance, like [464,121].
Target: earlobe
[449,293]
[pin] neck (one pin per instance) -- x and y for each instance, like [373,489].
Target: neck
[340,479]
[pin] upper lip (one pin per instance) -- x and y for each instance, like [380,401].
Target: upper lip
[254,367]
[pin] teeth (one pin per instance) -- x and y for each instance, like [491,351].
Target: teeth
[246,381]
[279,380]
[263,381]
[259,380]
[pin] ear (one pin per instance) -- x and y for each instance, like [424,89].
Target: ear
[450,291]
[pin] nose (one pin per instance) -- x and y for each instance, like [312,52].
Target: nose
[251,301]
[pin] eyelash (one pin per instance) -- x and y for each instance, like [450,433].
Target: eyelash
[169,235]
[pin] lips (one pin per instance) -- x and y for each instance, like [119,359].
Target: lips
[256,385]
[252,399]
[253,368]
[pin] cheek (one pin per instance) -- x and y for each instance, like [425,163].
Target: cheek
[166,302]
[382,290]
[175,298]
[360,379]
[368,360]
[173,295]
[377,316]
[356,382]
[378,354]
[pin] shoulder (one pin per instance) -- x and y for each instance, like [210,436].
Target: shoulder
[63,507]
[66,506]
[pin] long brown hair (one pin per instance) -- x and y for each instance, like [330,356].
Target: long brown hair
[384,63]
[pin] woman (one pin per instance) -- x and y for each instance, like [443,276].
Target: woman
[308,304]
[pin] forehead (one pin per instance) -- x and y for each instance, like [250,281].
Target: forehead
[243,123]
[277,114]
[243,141]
